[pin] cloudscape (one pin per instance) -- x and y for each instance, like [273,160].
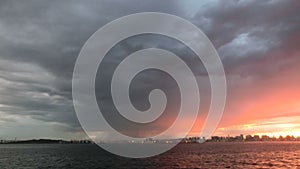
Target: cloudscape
[257,41]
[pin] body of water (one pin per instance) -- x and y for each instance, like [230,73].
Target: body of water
[207,155]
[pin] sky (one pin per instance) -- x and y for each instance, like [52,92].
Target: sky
[257,41]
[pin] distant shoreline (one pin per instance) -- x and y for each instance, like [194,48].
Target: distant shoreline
[50,141]
[45,141]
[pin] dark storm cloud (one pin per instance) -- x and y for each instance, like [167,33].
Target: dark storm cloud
[247,30]
[51,34]
[40,41]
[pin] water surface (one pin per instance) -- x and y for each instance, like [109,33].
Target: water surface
[207,155]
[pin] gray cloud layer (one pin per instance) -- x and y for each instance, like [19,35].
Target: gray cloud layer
[40,41]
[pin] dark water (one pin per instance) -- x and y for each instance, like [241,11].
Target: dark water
[208,155]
